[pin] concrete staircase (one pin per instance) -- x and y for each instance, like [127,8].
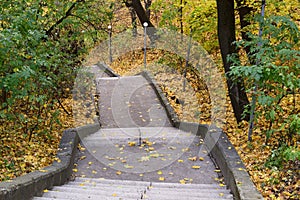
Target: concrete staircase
[135,126]
[100,189]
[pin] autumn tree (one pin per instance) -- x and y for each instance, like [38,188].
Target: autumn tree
[143,15]
[227,37]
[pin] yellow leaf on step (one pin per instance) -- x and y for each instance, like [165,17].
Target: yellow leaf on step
[196,167]
[114,195]
[131,144]
[193,158]
[128,166]
[118,172]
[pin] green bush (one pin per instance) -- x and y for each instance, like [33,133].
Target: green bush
[277,76]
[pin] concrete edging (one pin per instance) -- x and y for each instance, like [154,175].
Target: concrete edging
[162,98]
[107,69]
[234,171]
[33,184]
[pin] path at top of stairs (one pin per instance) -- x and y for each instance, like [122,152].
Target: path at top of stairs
[129,102]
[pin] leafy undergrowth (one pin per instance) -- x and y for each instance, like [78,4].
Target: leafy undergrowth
[19,156]
[273,183]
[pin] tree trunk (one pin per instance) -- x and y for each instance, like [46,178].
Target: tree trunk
[226,35]
[244,10]
[142,15]
[147,6]
[3,98]
[133,21]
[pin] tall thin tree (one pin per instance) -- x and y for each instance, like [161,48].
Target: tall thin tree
[226,35]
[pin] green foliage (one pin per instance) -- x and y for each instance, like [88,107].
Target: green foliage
[41,45]
[200,17]
[282,155]
[169,11]
[276,73]
[203,22]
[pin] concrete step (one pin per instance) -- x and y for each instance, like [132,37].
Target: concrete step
[101,191]
[94,189]
[148,132]
[102,181]
[108,182]
[164,135]
[47,198]
[86,196]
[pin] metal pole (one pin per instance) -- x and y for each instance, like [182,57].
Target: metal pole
[187,61]
[145,24]
[253,103]
[109,43]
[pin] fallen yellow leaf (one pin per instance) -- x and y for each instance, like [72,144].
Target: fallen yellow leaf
[193,158]
[114,195]
[131,144]
[196,167]
[82,157]
[118,172]
[128,166]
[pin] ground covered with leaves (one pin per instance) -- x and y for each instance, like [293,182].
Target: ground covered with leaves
[20,154]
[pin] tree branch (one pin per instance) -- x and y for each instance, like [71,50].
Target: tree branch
[67,14]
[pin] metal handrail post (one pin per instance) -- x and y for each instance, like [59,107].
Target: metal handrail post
[109,42]
[145,24]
